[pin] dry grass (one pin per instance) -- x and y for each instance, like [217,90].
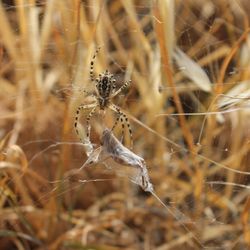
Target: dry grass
[189,109]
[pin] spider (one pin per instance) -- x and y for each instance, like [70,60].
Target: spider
[105,90]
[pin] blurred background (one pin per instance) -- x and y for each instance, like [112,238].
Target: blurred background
[188,105]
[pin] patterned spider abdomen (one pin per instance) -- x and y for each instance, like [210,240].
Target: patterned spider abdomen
[104,87]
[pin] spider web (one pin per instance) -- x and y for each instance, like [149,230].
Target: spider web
[151,101]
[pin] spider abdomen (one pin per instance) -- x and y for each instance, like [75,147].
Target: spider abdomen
[104,88]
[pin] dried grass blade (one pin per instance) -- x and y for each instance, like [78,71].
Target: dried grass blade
[193,70]
[7,35]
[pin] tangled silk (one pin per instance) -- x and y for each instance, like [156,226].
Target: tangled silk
[116,156]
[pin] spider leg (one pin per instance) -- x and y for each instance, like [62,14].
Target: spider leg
[124,120]
[87,122]
[117,120]
[124,86]
[79,109]
[91,72]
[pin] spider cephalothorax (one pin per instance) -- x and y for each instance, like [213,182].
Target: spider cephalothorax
[105,90]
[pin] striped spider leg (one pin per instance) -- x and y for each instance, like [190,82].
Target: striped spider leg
[91,106]
[122,117]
